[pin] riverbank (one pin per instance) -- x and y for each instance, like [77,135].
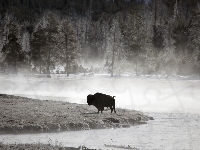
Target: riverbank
[36,146]
[57,147]
[24,115]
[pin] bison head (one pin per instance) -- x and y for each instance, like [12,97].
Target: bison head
[90,99]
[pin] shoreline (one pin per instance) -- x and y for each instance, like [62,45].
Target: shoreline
[39,146]
[58,147]
[21,115]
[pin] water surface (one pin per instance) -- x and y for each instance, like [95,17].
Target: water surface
[169,131]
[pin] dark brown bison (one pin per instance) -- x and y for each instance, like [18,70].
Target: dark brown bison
[100,101]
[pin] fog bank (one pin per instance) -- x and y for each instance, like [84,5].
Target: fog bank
[151,95]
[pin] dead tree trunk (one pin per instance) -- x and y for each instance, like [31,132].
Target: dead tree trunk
[48,61]
[66,56]
[113,57]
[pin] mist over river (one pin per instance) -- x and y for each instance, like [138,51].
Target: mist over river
[145,54]
[150,95]
[174,104]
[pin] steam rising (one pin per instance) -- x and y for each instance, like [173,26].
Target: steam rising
[140,94]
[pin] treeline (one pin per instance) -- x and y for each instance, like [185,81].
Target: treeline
[117,36]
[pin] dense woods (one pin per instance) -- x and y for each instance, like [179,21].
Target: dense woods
[106,36]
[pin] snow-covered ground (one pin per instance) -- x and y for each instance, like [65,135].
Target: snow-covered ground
[149,94]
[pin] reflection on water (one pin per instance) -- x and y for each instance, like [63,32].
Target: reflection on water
[167,131]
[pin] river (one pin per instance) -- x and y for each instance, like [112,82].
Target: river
[176,105]
[169,131]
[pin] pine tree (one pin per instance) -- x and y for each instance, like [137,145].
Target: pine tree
[194,38]
[149,55]
[50,32]
[13,53]
[25,44]
[13,56]
[115,55]
[1,46]
[167,57]
[37,53]
[135,35]
[157,28]
[158,38]
[105,34]
[67,39]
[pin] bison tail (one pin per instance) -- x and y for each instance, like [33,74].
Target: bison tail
[114,107]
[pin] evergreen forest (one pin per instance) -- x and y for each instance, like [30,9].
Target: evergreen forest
[140,37]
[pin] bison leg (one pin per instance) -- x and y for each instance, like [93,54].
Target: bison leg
[114,108]
[102,109]
[111,109]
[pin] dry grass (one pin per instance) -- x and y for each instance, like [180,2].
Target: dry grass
[38,146]
[25,115]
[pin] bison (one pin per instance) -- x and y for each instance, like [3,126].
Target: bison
[100,101]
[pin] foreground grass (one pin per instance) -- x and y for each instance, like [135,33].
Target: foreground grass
[57,147]
[36,147]
[25,115]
